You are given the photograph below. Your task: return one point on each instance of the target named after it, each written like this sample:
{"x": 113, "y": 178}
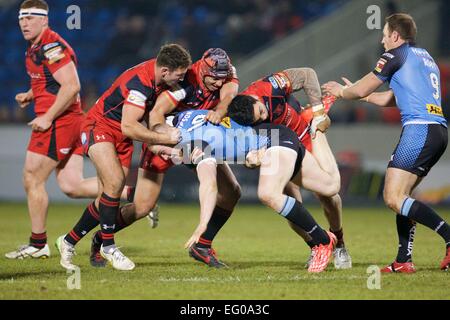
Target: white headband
{"x": 32, "y": 12}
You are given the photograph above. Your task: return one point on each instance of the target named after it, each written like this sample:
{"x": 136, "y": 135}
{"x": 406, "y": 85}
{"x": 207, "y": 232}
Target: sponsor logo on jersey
{"x": 434, "y": 109}
{"x": 83, "y": 138}
{"x": 273, "y": 82}
{"x": 281, "y": 81}
{"x": 380, "y": 65}
{"x": 54, "y": 54}
{"x": 50, "y": 45}
{"x": 226, "y": 122}
{"x": 65, "y": 150}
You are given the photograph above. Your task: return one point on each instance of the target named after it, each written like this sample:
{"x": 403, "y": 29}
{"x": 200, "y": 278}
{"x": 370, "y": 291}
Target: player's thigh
{"x": 72, "y": 170}
{"x": 277, "y": 167}
{"x": 37, "y": 167}
{"x": 148, "y": 188}
{"x": 312, "y": 177}
{"x": 109, "y": 169}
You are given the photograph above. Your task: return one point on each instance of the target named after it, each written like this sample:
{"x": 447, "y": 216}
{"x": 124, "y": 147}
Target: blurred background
{"x": 261, "y": 37}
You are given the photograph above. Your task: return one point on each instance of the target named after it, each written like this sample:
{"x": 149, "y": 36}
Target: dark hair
{"x": 241, "y": 110}
{"x": 173, "y": 56}
{"x": 404, "y": 24}
{"x": 40, "y": 4}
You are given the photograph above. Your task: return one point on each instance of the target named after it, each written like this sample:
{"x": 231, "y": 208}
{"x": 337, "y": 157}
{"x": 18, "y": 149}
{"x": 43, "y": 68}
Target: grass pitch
{"x": 266, "y": 259}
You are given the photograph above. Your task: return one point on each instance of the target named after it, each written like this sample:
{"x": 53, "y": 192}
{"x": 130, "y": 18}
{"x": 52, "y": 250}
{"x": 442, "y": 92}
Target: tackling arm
{"x": 133, "y": 129}
{"x": 306, "y": 79}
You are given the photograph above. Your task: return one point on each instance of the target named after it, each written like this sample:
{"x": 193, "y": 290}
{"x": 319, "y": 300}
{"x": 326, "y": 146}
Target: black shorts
{"x": 282, "y": 137}
{"x": 419, "y": 148}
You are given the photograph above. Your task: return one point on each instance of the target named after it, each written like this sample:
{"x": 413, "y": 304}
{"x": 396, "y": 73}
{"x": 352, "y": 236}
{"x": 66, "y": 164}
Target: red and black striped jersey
{"x": 192, "y": 93}
{"x": 275, "y": 92}
{"x": 42, "y": 60}
{"x": 136, "y": 87}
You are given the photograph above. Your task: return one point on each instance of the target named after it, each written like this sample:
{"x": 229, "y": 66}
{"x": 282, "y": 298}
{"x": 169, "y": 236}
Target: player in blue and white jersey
{"x": 282, "y": 159}
{"x": 414, "y": 83}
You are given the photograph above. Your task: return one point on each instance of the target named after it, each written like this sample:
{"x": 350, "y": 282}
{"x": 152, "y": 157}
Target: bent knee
{"x": 235, "y": 192}
{"x": 392, "y": 200}
{"x": 143, "y": 209}
{"x": 268, "y": 198}
{"x": 70, "y": 189}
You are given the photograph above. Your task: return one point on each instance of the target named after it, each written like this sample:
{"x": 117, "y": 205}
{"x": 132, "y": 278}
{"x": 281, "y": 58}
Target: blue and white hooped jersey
{"x": 229, "y": 141}
{"x": 415, "y": 79}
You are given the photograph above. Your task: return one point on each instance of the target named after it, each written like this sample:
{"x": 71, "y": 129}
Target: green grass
{"x": 265, "y": 256}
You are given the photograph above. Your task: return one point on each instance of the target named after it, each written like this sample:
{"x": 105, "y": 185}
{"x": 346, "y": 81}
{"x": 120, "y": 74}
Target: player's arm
{"x": 133, "y": 128}
{"x": 306, "y": 79}
{"x": 166, "y": 102}
{"x": 386, "y": 67}
{"x": 228, "y": 91}
{"x": 360, "y": 89}
{"x": 67, "y": 77}
{"x": 207, "y": 176}
{"x": 382, "y": 99}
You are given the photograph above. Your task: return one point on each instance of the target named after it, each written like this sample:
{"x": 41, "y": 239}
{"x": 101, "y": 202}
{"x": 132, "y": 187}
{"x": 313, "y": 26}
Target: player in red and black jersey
{"x": 210, "y": 83}
{"x": 54, "y": 144}
{"x": 107, "y": 136}
{"x": 271, "y": 99}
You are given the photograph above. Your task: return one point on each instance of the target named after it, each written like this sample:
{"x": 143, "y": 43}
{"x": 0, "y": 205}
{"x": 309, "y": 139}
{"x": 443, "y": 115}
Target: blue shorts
{"x": 419, "y": 148}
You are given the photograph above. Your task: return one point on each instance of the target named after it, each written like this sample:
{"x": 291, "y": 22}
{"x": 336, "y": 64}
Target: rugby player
{"x": 107, "y": 136}
{"x": 54, "y": 143}
{"x": 282, "y": 158}
{"x": 414, "y": 82}
{"x": 271, "y": 99}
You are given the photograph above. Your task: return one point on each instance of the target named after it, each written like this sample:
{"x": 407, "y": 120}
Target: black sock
{"x": 310, "y": 243}
{"x": 38, "y": 240}
{"x": 218, "y": 219}
{"x": 88, "y": 221}
{"x": 108, "y": 212}
{"x": 120, "y": 224}
{"x": 295, "y": 212}
{"x": 423, "y": 214}
{"x": 406, "y": 229}
{"x": 340, "y": 237}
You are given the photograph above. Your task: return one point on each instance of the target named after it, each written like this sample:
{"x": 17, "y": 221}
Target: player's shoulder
{"x": 400, "y": 53}
{"x": 52, "y": 39}
{"x": 143, "y": 73}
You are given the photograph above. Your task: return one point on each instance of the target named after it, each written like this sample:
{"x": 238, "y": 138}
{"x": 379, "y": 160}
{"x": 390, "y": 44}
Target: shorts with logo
{"x": 153, "y": 163}
{"x": 61, "y": 140}
{"x": 94, "y": 131}
{"x": 419, "y": 148}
